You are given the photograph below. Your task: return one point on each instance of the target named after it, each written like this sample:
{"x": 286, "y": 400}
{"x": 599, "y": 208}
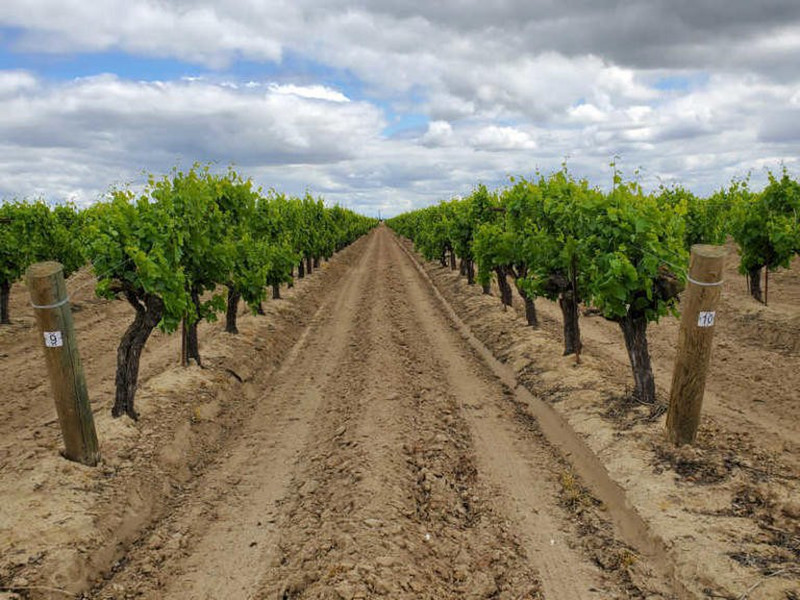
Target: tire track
{"x": 386, "y": 502}
{"x": 506, "y": 453}
{"x": 218, "y": 543}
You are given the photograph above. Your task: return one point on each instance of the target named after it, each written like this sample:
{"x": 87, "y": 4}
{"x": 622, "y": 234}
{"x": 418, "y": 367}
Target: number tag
{"x": 706, "y": 318}
{"x": 52, "y": 339}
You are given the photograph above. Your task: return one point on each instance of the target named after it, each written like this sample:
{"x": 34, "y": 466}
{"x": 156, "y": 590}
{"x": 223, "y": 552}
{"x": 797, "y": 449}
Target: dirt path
{"x": 725, "y": 510}
{"x": 63, "y": 525}
{"x": 384, "y": 459}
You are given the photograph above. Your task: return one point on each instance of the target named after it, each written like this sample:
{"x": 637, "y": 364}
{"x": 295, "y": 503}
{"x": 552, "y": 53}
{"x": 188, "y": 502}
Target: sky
{"x": 385, "y": 106}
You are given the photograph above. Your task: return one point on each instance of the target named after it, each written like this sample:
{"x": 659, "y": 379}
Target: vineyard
{"x": 167, "y": 252}
{"x": 468, "y": 403}
{"x": 623, "y": 254}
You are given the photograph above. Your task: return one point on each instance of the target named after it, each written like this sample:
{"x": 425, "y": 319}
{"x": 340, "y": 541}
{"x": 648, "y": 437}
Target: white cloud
{"x": 682, "y": 91}
{"x": 15, "y": 82}
{"x": 95, "y": 131}
{"x": 502, "y": 138}
{"x": 587, "y": 113}
{"x": 205, "y": 32}
{"x": 314, "y": 92}
{"x": 440, "y": 133}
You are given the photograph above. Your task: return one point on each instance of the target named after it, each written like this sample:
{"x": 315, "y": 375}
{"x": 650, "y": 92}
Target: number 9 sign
{"x": 53, "y": 339}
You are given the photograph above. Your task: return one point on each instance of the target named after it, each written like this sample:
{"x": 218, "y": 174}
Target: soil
{"x": 385, "y": 430}
{"x": 726, "y": 509}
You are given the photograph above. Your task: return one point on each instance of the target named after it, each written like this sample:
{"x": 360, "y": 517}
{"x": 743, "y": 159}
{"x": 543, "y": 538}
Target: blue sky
{"x": 384, "y": 106}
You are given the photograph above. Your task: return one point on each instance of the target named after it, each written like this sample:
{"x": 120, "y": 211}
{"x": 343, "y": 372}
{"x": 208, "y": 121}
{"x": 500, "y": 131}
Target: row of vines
{"x": 623, "y": 254}
{"x": 191, "y": 246}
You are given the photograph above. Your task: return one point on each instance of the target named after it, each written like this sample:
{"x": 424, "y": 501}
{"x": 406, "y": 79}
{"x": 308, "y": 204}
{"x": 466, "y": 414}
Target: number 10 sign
{"x": 706, "y": 318}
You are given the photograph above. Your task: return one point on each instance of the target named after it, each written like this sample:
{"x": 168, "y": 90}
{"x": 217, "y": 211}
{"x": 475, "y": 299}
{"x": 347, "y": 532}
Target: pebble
{"x": 386, "y": 561}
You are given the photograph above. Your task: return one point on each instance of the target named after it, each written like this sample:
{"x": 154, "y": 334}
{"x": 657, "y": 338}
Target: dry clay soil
{"x": 363, "y": 440}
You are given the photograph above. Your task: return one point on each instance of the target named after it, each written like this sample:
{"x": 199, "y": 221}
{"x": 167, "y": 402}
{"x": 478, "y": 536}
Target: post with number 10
{"x": 50, "y": 302}
{"x": 698, "y": 316}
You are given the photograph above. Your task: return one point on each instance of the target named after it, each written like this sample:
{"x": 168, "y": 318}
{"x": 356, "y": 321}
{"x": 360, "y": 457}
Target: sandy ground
{"x": 727, "y": 510}
{"x": 359, "y": 442}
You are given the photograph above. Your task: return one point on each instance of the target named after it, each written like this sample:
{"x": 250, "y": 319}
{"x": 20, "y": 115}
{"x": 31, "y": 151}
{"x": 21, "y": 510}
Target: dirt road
{"x": 384, "y": 459}
{"x": 386, "y": 430}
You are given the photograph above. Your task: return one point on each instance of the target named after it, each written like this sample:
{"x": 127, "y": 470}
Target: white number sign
{"x": 706, "y": 318}
{"x": 52, "y": 339}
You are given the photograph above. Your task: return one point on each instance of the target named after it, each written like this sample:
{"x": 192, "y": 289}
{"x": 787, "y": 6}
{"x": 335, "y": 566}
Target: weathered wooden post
{"x": 51, "y": 305}
{"x": 694, "y": 342}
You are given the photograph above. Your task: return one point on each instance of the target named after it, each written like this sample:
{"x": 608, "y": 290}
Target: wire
{"x": 101, "y": 275}
{"x": 681, "y": 270}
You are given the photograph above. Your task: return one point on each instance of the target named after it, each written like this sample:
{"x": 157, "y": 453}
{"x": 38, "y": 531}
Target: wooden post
{"x": 694, "y": 342}
{"x": 51, "y": 305}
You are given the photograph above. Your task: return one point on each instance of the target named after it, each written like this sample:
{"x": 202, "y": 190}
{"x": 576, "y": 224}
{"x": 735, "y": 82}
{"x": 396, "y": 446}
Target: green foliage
{"x": 34, "y": 232}
{"x": 550, "y": 221}
{"x": 249, "y": 255}
{"x": 17, "y": 247}
{"x": 189, "y": 233}
{"x": 494, "y": 246}
{"x": 433, "y": 235}
{"x": 206, "y": 254}
{"x": 706, "y": 219}
{"x": 625, "y": 250}
{"x": 136, "y": 248}
{"x": 274, "y": 222}
{"x": 466, "y": 216}
{"x": 766, "y": 225}
{"x": 636, "y": 259}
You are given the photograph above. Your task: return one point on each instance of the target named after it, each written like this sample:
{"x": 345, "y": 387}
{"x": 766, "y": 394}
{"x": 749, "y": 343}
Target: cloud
{"x": 14, "y": 82}
{"x": 586, "y": 113}
{"x": 300, "y": 93}
{"x": 502, "y": 138}
{"x": 314, "y": 92}
{"x": 736, "y": 34}
{"x": 205, "y": 33}
{"x": 129, "y": 126}
{"x": 440, "y": 133}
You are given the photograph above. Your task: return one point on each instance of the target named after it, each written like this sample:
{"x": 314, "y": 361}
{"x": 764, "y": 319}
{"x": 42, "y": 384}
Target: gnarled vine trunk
{"x": 309, "y": 265}
{"x": 316, "y": 262}
{"x": 530, "y": 307}
{"x": 276, "y": 291}
{"x": 634, "y": 329}
{"x": 149, "y": 310}
{"x": 191, "y": 348}
{"x": 5, "y": 294}
{"x": 487, "y": 287}
{"x": 502, "y": 283}
{"x": 754, "y": 275}
{"x": 519, "y": 272}
{"x": 230, "y": 313}
{"x": 572, "y": 331}
{"x": 452, "y": 259}
{"x": 301, "y": 269}
{"x": 470, "y": 271}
